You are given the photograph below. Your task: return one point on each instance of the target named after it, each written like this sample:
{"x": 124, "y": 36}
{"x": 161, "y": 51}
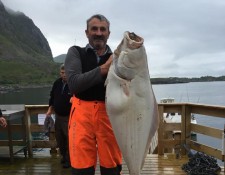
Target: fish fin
{"x": 126, "y": 88}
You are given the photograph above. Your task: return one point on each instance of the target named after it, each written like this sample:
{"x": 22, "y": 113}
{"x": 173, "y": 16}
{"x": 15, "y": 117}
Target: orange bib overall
{"x": 90, "y": 133}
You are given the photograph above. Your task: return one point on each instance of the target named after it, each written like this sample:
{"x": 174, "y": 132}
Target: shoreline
{"x": 17, "y": 87}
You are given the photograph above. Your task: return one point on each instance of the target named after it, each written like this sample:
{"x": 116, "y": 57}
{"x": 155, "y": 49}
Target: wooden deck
{"x": 45, "y": 164}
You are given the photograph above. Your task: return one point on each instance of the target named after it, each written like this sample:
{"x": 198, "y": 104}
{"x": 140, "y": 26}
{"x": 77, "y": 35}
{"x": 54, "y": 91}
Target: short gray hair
{"x": 100, "y": 17}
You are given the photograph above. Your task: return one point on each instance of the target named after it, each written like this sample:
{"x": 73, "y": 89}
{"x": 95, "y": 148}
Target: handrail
{"x": 33, "y": 111}
{"x": 186, "y": 127}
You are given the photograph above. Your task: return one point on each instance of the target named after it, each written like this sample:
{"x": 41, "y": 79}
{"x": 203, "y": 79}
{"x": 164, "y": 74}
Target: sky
{"x": 181, "y": 38}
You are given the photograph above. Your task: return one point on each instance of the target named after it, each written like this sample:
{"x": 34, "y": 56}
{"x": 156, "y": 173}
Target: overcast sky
{"x": 182, "y": 38}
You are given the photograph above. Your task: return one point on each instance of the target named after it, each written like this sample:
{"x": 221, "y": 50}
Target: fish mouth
{"x": 134, "y": 41}
{"x": 134, "y": 37}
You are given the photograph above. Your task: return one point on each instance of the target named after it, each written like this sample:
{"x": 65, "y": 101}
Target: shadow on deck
{"x": 44, "y": 163}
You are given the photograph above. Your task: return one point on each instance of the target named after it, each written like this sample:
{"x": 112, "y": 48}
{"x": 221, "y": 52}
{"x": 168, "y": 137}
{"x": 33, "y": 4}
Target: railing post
{"x": 52, "y": 137}
{"x": 160, "y": 131}
{"x": 223, "y": 142}
{"x": 29, "y": 136}
{"x": 186, "y": 126}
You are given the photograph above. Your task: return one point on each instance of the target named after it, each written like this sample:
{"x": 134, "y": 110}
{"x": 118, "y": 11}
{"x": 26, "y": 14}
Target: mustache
{"x": 97, "y": 37}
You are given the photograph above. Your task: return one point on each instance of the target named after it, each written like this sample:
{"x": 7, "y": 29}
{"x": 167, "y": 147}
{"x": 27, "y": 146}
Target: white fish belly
{"x": 131, "y": 105}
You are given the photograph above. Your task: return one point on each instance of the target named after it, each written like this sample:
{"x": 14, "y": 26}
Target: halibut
{"x": 130, "y": 102}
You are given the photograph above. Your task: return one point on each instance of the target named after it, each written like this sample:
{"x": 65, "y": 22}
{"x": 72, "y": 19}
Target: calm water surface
{"x": 201, "y": 92}
{"x": 28, "y": 96}
{"x": 212, "y": 93}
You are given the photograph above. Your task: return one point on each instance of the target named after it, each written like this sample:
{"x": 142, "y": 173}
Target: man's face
{"x": 97, "y": 33}
{"x": 63, "y": 75}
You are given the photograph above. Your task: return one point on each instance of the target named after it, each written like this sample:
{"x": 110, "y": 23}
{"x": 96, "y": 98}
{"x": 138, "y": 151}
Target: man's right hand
{"x": 105, "y": 67}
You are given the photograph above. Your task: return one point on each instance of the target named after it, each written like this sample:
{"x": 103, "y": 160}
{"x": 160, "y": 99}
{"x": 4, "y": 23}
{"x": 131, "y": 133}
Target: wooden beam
{"x": 206, "y": 149}
{"x": 206, "y": 130}
{"x": 44, "y": 144}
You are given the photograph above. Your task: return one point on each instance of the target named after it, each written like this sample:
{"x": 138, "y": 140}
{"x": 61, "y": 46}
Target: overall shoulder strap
{"x": 83, "y": 56}
{"x": 81, "y": 51}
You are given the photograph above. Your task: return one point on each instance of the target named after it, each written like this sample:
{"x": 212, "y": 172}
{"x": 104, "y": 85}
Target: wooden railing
{"x": 164, "y": 143}
{"x": 32, "y": 111}
{"x": 186, "y": 127}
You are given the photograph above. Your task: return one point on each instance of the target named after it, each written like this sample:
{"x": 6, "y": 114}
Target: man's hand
{"x": 49, "y": 112}
{"x": 3, "y": 122}
{"x": 105, "y": 67}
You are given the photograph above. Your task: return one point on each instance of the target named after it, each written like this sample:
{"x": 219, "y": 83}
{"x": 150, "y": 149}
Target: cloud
{"x": 182, "y": 38}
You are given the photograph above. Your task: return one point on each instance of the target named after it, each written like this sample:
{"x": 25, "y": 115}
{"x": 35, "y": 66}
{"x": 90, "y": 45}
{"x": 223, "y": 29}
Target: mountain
{"x": 25, "y": 54}
{"x": 60, "y": 58}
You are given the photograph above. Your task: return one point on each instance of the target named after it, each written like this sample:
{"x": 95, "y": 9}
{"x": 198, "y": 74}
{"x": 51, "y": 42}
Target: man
{"x": 59, "y": 103}
{"x": 3, "y": 122}
{"x": 90, "y": 131}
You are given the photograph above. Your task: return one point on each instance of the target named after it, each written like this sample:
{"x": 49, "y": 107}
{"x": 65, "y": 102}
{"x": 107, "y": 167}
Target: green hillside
{"x": 20, "y": 73}
{"x": 60, "y": 58}
{"x": 25, "y": 54}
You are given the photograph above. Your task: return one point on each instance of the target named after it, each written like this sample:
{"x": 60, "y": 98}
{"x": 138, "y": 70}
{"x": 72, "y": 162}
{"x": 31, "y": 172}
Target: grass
{"x": 17, "y": 72}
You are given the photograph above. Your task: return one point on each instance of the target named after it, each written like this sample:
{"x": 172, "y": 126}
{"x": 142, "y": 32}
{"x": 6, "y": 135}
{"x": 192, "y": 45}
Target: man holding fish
{"x": 110, "y": 98}
{"x": 90, "y": 132}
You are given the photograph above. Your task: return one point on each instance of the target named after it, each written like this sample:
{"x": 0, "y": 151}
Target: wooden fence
{"x": 186, "y": 127}
{"x": 164, "y": 143}
{"x": 32, "y": 111}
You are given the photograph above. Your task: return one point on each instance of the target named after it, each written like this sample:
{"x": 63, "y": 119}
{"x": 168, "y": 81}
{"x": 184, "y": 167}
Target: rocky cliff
{"x": 25, "y": 54}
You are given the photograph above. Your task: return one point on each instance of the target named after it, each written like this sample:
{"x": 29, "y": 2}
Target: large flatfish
{"x": 130, "y": 101}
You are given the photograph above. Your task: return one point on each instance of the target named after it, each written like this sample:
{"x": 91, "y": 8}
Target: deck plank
{"x": 46, "y": 164}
